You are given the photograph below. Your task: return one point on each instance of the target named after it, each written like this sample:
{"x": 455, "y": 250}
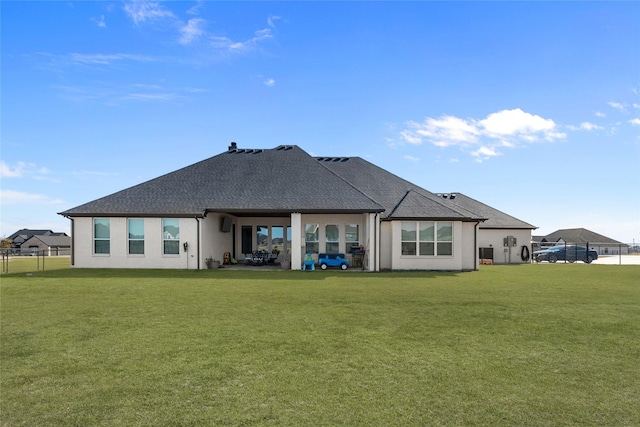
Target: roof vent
{"x": 233, "y": 146}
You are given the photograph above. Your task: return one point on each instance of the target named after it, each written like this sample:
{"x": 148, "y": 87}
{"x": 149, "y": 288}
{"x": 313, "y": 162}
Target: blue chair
{"x": 308, "y": 262}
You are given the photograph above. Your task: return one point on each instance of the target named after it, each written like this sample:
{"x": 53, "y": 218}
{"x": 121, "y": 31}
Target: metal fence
{"x": 38, "y": 256}
{"x": 598, "y": 252}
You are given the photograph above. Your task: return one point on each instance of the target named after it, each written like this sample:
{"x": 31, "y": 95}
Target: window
{"x": 277, "y": 238}
{"x": 171, "y": 236}
{"x": 427, "y": 238}
{"x": 352, "y": 237}
{"x": 408, "y": 238}
{"x": 136, "y": 236}
{"x": 332, "y": 238}
{"x": 101, "y": 236}
{"x": 427, "y": 241}
{"x": 262, "y": 238}
{"x": 445, "y": 238}
{"x": 312, "y": 244}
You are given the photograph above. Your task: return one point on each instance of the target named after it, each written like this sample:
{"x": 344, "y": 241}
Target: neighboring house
{"x": 52, "y": 245}
{"x": 279, "y": 199}
{"x": 581, "y": 236}
{"x": 501, "y": 238}
{"x": 21, "y": 236}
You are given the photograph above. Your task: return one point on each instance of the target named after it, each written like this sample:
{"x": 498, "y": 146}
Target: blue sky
{"x": 530, "y": 107}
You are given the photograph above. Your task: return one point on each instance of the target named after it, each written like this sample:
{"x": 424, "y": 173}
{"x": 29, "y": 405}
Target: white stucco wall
{"x": 469, "y": 246}
{"x": 494, "y": 238}
{"x": 214, "y": 242}
{"x": 463, "y": 258}
{"x": 153, "y": 246}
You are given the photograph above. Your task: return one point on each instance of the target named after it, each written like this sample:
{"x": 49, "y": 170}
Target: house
{"x": 21, "y": 236}
{"x": 282, "y": 201}
{"x": 502, "y": 238}
{"x": 50, "y": 244}
{"x": 603, "y": 245}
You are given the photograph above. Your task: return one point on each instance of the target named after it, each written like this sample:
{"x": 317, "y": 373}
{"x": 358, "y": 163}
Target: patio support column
{"x": 372, "y": 242}
{"x": 296, "y": 241}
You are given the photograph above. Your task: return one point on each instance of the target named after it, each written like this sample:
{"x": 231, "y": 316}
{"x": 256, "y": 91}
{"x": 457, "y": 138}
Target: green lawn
{"x": 527, "y": 345}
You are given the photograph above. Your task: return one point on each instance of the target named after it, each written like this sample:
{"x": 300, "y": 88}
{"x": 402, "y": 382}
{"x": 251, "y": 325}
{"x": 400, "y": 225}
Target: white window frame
{"x": 101, "y": 239}
{"x": 437, "y": 242}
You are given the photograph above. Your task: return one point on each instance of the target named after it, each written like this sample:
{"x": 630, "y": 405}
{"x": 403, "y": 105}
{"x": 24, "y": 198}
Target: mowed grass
{"x": 528, "y": 345}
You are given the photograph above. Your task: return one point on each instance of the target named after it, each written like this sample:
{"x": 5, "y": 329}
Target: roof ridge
{"x": 320, "y": 161}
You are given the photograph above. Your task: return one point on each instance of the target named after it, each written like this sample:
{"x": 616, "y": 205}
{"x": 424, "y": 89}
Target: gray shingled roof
{"x": 579, "y": 235}
{"x": 495, "y": 219}
{"x": 270, "y": 181}
{"x": 399, "y": 197}
{"x": 54, "y": 241}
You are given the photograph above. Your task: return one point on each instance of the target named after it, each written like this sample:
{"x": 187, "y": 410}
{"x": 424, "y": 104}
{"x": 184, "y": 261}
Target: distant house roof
{"x": 580, "y": 236}
{"x": 60, "y": 240}
{"x": 26, "y": 233}
{"x": 495, "y": 219}
{"x": 274, "y": 181}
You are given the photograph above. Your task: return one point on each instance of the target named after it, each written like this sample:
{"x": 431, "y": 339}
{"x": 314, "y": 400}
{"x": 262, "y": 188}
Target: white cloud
{"x": 106, "y": 59}
{"x": 10, "y": 197}
{"x": 447, "y": 130}
{"x": 411, "y": 158}
{"x": 142, "y": 11}
{"x": 269, "y": 82}
{"x": 635, "y": 122}
{"x": 516, "y": 123}
{"x": 618, "y": 106}
{"x": 600, "y": 114}
{"x": 586, "y": 126}
{"x": 100, "y": 22}
{"x": 191, "y": 31}
{"x": 226, "y": 44}
{"x": 24, "y": 170}
{"x": 506, "y": 128}
{"x": 271, "y": 20}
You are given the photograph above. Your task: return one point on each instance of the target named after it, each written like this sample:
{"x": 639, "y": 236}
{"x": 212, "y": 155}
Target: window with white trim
{"x": 101, "y": 236}
{"x": 135, "y": 227}
{"x": 427, "y": 238}
{"x": 351, "y": 237}
{"x": 171, "y": 236}
{"x": 332, "y": 238}
{"x": 311, "y": 237}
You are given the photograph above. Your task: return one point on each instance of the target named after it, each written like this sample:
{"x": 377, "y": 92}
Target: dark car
{"x": 571, "y": 253}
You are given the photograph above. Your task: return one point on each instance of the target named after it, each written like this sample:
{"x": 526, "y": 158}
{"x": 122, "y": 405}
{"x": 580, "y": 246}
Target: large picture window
{"x": 171, "y": 236}
{"x": 311, "y": 236}
{"x": 427, "y": 238}
{"x": 332, "y": 238}
{"x": 101, "y": 236}
{"x": 136, "y": 236}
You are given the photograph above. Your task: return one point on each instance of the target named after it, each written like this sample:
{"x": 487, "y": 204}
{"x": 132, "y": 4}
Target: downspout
{"x": 198, "y": 241}
{"x": 377, "y": 244}
{"x": 73, "y": 242}
{"x": 475, "y": 247}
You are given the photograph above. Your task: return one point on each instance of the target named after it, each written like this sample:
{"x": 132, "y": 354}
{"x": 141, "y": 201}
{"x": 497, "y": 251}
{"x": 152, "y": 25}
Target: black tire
{"x": 343, "y": 266}
{"x": 553, "y": 258}
{"x": 589, "y": 259}
{"x": 323, "y": 266}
